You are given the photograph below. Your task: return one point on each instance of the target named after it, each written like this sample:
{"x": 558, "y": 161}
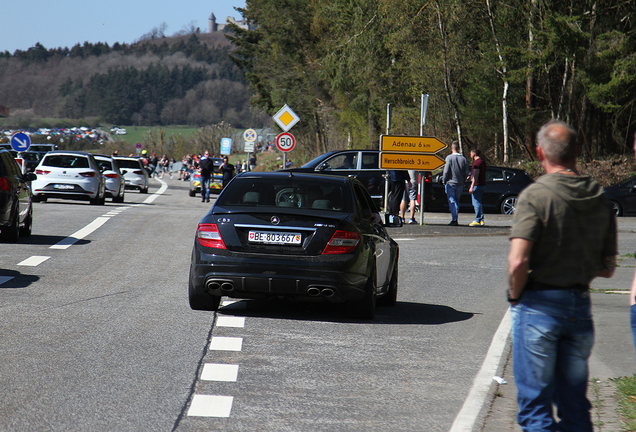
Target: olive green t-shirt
{"x": 572, "y": 225}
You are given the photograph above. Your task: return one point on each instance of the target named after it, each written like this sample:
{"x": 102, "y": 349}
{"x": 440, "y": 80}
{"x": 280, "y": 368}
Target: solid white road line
{"x": 220, "y": 372}
{"x": 4, "y": 279}
{"x": 219, "y": 343}
{"x": 230, "y": 321}
{"x": 156, "y": 195}
{"x": 75, "y": 237}
{"x": 211, "y": 406}
{"x": 33, "y": 261}
{"x": 467, "y": 416}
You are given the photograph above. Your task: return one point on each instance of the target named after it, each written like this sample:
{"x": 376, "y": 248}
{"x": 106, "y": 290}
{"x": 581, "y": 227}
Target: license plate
{"x": 63, "y": 187}
{"x": 269, "y": 237}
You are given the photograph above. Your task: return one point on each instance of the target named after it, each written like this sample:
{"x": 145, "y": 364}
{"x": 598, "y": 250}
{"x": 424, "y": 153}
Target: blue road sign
{"x": 20, "y": 142}
{"x": 226, "y": 146}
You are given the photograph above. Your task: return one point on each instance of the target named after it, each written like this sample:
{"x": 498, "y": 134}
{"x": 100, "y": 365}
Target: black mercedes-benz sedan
{"x": 304, "y": 236}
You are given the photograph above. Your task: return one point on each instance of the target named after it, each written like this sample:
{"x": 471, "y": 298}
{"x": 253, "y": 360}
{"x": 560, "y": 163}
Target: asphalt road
{"x": 100, "y": 337}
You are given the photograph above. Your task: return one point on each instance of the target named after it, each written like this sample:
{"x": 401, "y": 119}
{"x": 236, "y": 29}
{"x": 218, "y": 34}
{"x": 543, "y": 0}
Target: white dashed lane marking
{"x": 220, "y": 343}
{"x": 78, "y": 235}
{"x": 220, "y": 372}
{"x": 33, "y": 261}
{"x": 230, "y": 321}
{"x": 211, "y": 406}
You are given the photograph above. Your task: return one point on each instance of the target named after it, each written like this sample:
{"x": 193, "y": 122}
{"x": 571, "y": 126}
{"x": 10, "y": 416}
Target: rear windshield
{"x": 128, "y": 163}
{"x": 287, "y": 192}
{"x": 105, "y": 165}
{"x": 66, "y": 161}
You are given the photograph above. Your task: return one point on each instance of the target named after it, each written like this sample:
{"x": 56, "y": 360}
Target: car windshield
{"x": 66, "y": 161}
{"x": 305, "y": 193}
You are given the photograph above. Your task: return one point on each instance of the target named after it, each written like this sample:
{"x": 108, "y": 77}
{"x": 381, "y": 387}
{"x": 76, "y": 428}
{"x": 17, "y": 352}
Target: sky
{"x": 64, "y": 23}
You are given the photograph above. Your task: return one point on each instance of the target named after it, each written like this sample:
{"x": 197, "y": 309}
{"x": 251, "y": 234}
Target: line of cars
{"x": 63, "y": 175}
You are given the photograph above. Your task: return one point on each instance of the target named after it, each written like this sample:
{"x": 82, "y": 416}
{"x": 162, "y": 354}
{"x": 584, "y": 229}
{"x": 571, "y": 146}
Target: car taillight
{"x": 138, "y": 172}
{"x": 428, "y": 178}
{"x": 342, "y": 242}
{"x": 42, "y": 172}
{"x": 88, "y": 174}
{"x": 208, "y": 235}
{"x": 110, "y": 175}
{"x": 5, "y": 184}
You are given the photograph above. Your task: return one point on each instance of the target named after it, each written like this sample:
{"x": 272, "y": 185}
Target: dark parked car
{"x": 30, "y": 159}
{"x": 503, "y": 186}
{"x": 301, "y": 236}
{"x": 623, "y": 196}
{"x": 16, "y": 211}
{"x": 362, "y": 164}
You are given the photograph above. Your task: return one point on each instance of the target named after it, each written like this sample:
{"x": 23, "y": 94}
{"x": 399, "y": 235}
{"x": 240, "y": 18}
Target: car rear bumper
{"x": 333, "y": 279}
{"x": 135, "y": 183}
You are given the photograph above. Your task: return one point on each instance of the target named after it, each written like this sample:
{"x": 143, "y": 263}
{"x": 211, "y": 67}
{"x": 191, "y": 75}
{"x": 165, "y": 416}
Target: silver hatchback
{"x": 115, "y": 185}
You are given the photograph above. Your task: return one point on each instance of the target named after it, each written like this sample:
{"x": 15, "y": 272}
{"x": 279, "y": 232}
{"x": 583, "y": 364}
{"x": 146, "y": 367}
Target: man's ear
{"x": 540, "y": 154}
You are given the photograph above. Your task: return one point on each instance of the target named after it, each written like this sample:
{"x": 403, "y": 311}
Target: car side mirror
{"x": 30, "y": 176}
{"x": 393, "y": 221}
{"x": 323, "y": 166}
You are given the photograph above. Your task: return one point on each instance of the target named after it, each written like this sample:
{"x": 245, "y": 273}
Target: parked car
{"x": 362, "y": 164}
{"x": 623, "y": 196}
{"x": 135, "y": 175}
{"x": 30, "y": 159}
{"x": 69, "y": 175}
{"x": 503, "y": 186}
{"x": 114, "y": 179}
{"x": 16, "y": 211}
{"x": 302, "y": 236}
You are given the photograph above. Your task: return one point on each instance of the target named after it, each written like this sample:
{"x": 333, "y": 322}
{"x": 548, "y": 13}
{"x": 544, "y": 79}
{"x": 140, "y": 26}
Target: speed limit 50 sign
{"x": 285, "y": 141}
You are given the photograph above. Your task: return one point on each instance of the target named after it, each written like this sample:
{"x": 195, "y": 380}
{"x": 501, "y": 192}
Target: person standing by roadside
{"x": 410, "y": 198}
{"x": 253, "y": 162}
{"x": 632, "y": 294}
{"x": 455, "y": 173}
{"x": 563, "y": 236}
{"x": 477, "y": 186}
{"x": 397, "y": 179}
{"x": 206, "y": 166}
{"x": 228, "y": 171}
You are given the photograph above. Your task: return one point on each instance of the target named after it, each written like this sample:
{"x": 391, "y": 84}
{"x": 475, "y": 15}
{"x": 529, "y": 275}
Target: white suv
{"x": 68, "y": 175}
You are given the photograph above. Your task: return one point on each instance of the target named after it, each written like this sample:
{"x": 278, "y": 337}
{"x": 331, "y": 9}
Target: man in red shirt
{"x": 477, "y": 186}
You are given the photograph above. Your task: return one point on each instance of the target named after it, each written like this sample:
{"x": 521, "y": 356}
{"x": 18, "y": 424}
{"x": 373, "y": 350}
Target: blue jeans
{"x": 632, "y": 313}
{"x": 553, "y": 335}
{"x": 205, "y": 188}
{"x": 478, "y": 192}
{"x": 453, "y": 193}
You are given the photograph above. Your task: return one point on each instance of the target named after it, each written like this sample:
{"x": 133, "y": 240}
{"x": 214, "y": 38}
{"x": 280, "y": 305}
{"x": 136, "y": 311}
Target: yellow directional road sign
{"x": 415, "y": 144}
{"x": 408, "y": 161}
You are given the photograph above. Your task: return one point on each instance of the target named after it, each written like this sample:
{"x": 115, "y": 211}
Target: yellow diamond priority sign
{"x": 286, "y": 118}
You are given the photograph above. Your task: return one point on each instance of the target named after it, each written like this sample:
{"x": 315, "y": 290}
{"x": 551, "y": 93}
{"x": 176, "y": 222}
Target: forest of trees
{"x": 187, "y": 80}
{"x": 495, "y": 70}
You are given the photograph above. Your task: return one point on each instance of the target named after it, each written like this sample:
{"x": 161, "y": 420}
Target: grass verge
{"x": 626, "y": 395}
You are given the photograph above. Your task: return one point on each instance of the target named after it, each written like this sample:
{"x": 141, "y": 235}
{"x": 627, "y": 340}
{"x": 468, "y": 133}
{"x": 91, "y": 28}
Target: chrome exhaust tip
{"x": 227, "y": 286}
{"x": 327, "y": 292}
{"x": 313, "y": 291}
{"x": 212, "y": 285}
